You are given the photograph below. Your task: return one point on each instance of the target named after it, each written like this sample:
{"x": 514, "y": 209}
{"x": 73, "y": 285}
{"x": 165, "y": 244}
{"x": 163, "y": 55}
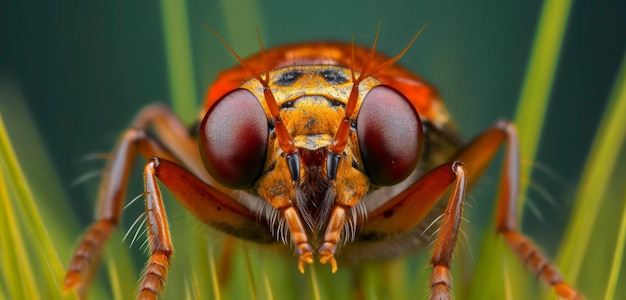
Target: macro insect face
{"x": 302, "y": 182}
{"x": 330, "y": 148}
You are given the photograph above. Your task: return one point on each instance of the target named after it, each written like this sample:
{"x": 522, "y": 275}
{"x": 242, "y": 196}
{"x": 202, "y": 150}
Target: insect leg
{"x": 206, "y": 203}
{"x": 111, "y": 199}
{"x": 401, "y": 214}
{"x": 440, "y": 280}
{"x": 179, "y": 147}
{"x": 477, "y": 156}
{"x": 331, "y": 237}
{"x": 407, "y": 210}
{"x": 298, "y": 237}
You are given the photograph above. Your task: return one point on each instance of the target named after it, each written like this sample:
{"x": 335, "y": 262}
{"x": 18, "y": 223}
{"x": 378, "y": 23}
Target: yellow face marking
{"x": 312, "y": 103}
{"x": 310, "y": 82}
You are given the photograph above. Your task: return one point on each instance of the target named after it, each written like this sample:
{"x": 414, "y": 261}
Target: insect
{"x": 320, "y": 146}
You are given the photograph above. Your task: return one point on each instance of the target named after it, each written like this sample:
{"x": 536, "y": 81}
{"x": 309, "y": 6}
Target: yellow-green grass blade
{"x": 489, "y": 280}
{"x": 3, "y": 293}
{"x": 595, "y": 181}
{"x": 315, "y": 286}
{"x": 240, "y": 24}
{"x": 184, "y": 101}
{"x": 45, "y": 221}
{"x": 179, "y": 59}
{"x": 214, "y": 282}
{"x": 17, "y": 267}
{"x": 115, "y": 277}
{"x": 121, "y": 269}
{"x": 33, "y": 214}
{"x": 267, "y": 281}
{"x": 249, "y": 277}
{"x": 617, "y": 256}
{"x": 535, "y": 93}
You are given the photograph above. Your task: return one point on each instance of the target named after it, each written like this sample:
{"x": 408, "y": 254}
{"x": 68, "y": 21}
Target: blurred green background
{"x": 84, "y": 69}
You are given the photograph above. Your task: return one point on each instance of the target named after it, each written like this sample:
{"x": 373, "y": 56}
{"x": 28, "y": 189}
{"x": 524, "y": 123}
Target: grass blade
{"x": 240, "y": 23}
{"x": 40, "y": 266}
{"x": 535, "y": 95}
{"x": 17, "y": 267}
{"x": 532, "y": 106}
{"x": 595, "y": 179}
{"x": 179, "y": 59}
{"x": 617, "y": 257}
{"x": 314, "y": 284}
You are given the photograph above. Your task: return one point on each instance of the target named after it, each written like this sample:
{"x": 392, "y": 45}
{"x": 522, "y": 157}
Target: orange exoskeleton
{"x": 319, "y": 146}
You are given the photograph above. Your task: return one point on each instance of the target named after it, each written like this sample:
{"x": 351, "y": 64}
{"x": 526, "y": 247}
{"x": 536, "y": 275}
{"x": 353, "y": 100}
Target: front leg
{"x": 477, "y": 156}
{"x": 405, "y": 212}
{"x": 111, "y": 200}
{"x": 155, "y": 272}
{"x": 173, "y": 143}
{"x": 331, "y": 237}
{"x": 298, "y": 237}
{"x": 206, "y": 203}
{"x": 134, "y": 142}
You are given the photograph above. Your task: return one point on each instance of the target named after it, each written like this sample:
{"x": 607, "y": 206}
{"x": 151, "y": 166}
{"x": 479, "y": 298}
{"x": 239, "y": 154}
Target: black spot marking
{"x": 288, "y": 78}
{"x": 389, "y": 213}
{"x": 219, "y": 208}
{"x": 288, "y": 104}
{"x": 336, "y": 103}
{"x": 333, "y": 77}
{"x": 271, "y": 167}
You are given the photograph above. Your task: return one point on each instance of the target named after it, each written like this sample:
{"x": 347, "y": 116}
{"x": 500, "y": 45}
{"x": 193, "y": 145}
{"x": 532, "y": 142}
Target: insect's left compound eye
{"x": 233, "y": 140}
{"x": 390, "y": 136}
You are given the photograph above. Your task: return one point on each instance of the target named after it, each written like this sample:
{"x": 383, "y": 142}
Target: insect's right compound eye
{"x": 390, "y": 136}
{"x": 233, "y": 140}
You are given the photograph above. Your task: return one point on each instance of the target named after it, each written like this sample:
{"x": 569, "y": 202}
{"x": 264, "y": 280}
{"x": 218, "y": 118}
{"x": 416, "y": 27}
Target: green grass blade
{"x": 121, "y": 269}
{"x": 40, "y": 259}
{"x": 16, "y": 264}
{"x": 214, "y": 282}
{"x": 184, "y": 101}
{"x": 617, "y": 257}
{"x": 179, "y": 59}
{"x": 595, "y": 179}
{"x": 315, "y": 286}
{"x": 249, "y": 277}
{"x": 240, "y": 24}
{"x": 535, "y": 95}
{"x": 267, "y": 285}
{"x": 3, "y": 293}
{"x": 115, "y": 278}
{"x": 493, "y": 258}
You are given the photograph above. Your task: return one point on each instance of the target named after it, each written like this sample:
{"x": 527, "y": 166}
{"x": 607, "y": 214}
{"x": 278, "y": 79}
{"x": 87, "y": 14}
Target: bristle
{"x": 301, "y": 204}
{"x": 140, "y": 217}
{"x": 370, "y": 54}
{"x": 367, "y": 73}
{"x": 324, "y": 209}
{"x": 241, "y": 60}
{"x": 267, "y": 71}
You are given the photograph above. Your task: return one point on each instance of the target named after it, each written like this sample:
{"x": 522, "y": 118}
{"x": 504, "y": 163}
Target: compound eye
{"x": 390, "y": 136}
{"x": 233, "y": 140}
